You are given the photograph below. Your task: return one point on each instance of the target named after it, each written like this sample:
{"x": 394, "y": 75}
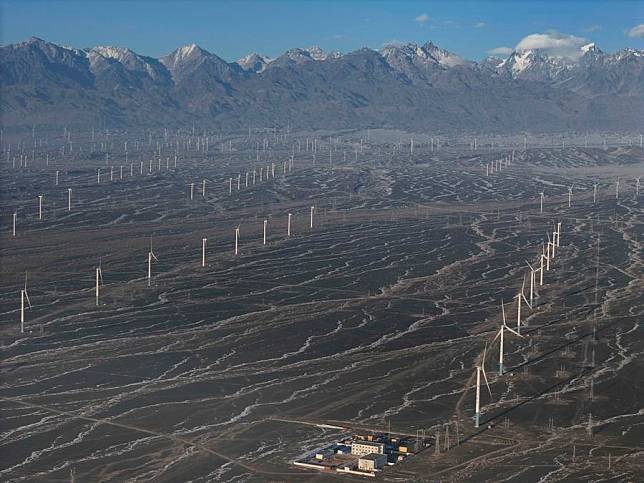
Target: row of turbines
{"x": 265, "y": 173}
{"x": 25, "y": 302}
{"x": 547, "y": 254}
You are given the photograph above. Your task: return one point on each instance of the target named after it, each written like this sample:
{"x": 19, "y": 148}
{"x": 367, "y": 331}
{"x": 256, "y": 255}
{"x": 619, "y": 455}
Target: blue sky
{"x": 232, "y": 29}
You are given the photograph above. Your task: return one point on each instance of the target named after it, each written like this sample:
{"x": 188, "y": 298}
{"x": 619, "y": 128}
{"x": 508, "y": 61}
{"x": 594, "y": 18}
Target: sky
{"x": 232, "y": 29}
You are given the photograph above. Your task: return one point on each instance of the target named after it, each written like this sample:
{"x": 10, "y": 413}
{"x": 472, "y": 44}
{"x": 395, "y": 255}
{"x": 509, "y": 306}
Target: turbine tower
{"x": 24, "y": 296}
{"x": 151, "y": 256}
{"x": 480, "y": 369}
{"x": 99, "y": 281}
{"x": 520, "y": 297}
{"x": 500, "y": 336}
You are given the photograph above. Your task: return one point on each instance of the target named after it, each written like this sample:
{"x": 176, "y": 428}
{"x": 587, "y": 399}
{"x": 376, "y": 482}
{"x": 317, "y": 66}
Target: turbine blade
{"x": 526, "y": 301}
{"x": 498, "y": 334}
{"x": 503, "y": 310}
{"x": 27, "y": 297}
{"x": 486, "y": 383}
{"x": 513, "y": 331}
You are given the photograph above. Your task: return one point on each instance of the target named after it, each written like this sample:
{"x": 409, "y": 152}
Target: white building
{"x": 362, "y": 448}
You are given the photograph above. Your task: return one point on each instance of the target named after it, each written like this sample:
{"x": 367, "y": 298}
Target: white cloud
{"x": 480, "y": 25}
{"x": 593, "y": 28}
{"x": 554, "y": 43}
{"x": 422, "y": 18}
{"x": 501, "y": 51}
{"x": 637, "y": 31}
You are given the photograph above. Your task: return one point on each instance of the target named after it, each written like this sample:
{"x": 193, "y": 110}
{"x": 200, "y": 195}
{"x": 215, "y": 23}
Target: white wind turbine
{"x": 594, "y": 193}
{"x": 480, "y": 369}
{"x": 24, "y": 296}
{"x": 520, "y": 297}
{"x": 203, "y": 251}
{"x": 547, "y": 256}
{"x": 533, "y": 274}
{"x": 151, "y": 256}
{"x": 617, "y": 188}
{"x": 500, "y": 336}
{"x": 99, "y": 280}
{"x": 569, "y": 196}
{"x": 541, "y": 258}
{"x": 265, "y": 226}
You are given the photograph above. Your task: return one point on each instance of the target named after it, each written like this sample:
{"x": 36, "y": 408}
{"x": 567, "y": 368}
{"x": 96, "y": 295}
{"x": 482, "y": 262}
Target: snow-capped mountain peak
{"x": 317, "y": 53}
{"x": 120, "y": 54}
{"x": 254, "y": 62}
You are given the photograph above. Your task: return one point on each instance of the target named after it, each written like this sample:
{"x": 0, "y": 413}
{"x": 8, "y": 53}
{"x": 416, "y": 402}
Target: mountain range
{"x": 408, "y": 86}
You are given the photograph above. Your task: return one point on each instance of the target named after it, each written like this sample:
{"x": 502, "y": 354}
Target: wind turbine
{"x": 99, "y": 280}
{"x": 500, "y": 336}
{"x": 237, "y": 240}
{"x": 520, "y": 296}
{"x": 288, "y": 226}
{"x": 203, "y": 252}
{"x": 541, "y": 206}
{"x": 480, "y": 369}
{"x": 594, "y": 193}
{"x": 151, "y": 255}
{"x": 532, "y": 280}
{"x": 547, "y": 257}
{"x": 24, "y": 296}
{"x": 312, "y": 210}
{"x": 617, "y": 189}
{"x": 265, "y": 225}
{"x": 569, "y": 196}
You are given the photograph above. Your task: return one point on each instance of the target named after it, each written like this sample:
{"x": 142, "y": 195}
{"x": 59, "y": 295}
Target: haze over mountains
{"x": 409, "y": 86}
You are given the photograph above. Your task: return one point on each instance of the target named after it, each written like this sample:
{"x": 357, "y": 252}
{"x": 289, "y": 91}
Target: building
{"x": 324, "y": 454}
{"x": 372, "y": 462}
{"x": 362, "y": 448}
